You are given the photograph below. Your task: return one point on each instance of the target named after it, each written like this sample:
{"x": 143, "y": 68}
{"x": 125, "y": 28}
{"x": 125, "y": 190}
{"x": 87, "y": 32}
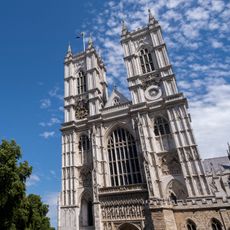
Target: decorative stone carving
{"x": 85, "y": 177}
{"x": 122, "y": 212}
{"x": 150, "y": 80}
{"x": 95, "y": 185}
{"x": 81, "y": 108}
{"x": 170, "y": 165}
{"x": 213, "y": 186}
{"x": 148, "y": 177}
{"x": 153, "y": 92}
{"x": 178, "y": 189}
{"x": 79, "y": 65}
{"x": 143, "y": 41}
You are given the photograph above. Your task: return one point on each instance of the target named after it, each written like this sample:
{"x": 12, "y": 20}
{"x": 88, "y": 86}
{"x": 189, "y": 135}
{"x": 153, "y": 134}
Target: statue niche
{"x": 177, "y": 190}
{"x": 170, "y": 165}
{"x": 86, "y": 177}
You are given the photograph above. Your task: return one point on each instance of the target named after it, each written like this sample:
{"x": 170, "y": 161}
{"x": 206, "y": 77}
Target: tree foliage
{"x": 17, "y": 210}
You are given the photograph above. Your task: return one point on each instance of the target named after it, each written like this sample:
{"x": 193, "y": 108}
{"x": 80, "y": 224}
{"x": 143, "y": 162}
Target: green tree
{"x": 18, "y": 211}
{"x": 32, "y": 214}
{"x": 12, "y": 181}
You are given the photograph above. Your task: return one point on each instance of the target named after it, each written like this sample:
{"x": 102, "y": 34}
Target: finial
{"x": 90, "y": 41}
{"x": 151, "y": 18}
{"x": 124, "y": 29}
{"x": 228, "y": 151}
{"x": 114, "y": 86}
{"x": 69, "y": 51}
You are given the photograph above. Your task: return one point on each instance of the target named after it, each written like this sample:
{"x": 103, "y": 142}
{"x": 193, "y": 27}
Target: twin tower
{"x": 128, "y": 164}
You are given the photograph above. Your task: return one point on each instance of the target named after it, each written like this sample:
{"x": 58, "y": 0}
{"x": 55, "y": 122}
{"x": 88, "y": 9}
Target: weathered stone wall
{"x": 168, "y": 215}
{"x": 202, "y": 218}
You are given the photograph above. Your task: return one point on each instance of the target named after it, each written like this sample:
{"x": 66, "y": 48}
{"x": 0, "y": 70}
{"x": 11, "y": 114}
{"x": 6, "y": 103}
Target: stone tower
{"x": 127, "y": 164}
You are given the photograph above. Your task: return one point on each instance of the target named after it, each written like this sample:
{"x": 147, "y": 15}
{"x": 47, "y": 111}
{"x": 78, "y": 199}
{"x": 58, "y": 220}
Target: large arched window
{"x": 191, "y": 225}
{"x": 123, "y": 160}
{"x": 146, "y": 61}
{"x": 81, "y": 83}
{"x": 84, "y": 148}
{"x": 216, "y": 225}
{"x": 161, "y": 126}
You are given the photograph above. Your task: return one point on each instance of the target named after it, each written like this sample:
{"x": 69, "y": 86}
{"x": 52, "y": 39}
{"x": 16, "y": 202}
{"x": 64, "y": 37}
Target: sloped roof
{"x": 116, "y": 95}
{"x": 216, "y": 164}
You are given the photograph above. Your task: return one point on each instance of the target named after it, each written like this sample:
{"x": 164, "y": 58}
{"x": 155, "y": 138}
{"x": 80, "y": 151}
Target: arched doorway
{"x": 128, "y": 226}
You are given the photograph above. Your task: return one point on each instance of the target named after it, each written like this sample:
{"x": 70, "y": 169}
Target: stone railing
{"x": 116, "y": 107}
{"x": 123, "y": 189}
{"x": 173, "y": 97}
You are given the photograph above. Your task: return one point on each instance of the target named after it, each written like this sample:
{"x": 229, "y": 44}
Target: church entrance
{"x": 127, "y": 226}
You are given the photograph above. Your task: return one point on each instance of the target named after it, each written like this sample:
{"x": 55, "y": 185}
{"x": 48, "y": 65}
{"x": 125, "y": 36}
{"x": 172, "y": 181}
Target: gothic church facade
{"x": 132, "y": 165}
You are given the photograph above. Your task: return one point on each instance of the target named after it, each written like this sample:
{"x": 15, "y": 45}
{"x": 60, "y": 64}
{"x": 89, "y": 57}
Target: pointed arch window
{"x": 146, "y": 61}
{"x": 116, "y": 101}
{"x": 216, "y": 225}
{"x": 161, "y": 126}
{"x": 191, "y": 225}
{"x": 81, "y": 82}
{"x": 123, "y": 159}
{"x": 84, "y": 148}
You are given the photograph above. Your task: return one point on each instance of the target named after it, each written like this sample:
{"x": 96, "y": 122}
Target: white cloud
{"x": 216, "y": 44}
{"x": 52, "y": 122}
{"x": 33, "y": 180}
{"x": 198, "y": 13}
{"x": 47, "y": 134}
{"x": 217, "y": 5}
{"x": 51, "y": 199}
{"x": 174, "y": 3}
{"x": 55, "y": 92}
{"x": 210, "y": 114}
{"x": 45, "y": 103}
{"x": 52, "y": 172}
{"x": 195, "y": 32}
{"x": 60, "y": 108}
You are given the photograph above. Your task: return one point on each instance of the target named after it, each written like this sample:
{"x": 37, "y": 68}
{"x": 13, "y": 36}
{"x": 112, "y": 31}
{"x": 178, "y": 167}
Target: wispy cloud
{"x": 55, "y": 92}
{"x": 197, "y": 33}
{"x": 47, "y": 134}
{"x": 52, "y": 122}
{"x": 33, "y": 180}
{"x": 51, "y": 199}
{"x": 52, "y": 172}
{"x": 54, "y": 98}
{"x": 45, "y": 103}
{"x": 61, "y": 108}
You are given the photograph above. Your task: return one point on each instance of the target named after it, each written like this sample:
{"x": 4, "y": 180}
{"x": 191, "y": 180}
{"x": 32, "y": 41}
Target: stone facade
{"x": 132, "y": 164}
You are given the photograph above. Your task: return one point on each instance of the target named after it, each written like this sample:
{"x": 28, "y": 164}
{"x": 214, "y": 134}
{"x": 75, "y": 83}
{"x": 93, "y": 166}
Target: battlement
{"x": 196, "y": 203}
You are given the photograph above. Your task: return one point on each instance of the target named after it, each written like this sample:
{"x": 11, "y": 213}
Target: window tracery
{"x": 216, "y": 225}
{"x": 81, "y": 82}
{"x": 84, "y": 148}
{"x": 123, "y": 160}
{"x": 191, "y": 225}
{"x": 146, "y": 61}
{"x": 161, "y": 126}
{"x": 116, "y": 101}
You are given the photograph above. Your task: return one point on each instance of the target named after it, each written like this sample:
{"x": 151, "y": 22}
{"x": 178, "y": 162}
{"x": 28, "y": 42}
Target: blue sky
{"x": 33, "y": 42}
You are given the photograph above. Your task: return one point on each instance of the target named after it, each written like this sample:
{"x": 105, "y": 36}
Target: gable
{"x": 116, "y": 98}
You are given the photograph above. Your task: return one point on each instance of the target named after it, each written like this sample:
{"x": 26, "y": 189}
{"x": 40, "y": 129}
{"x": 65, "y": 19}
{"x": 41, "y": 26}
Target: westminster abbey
{"x": 134, "y": 164}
